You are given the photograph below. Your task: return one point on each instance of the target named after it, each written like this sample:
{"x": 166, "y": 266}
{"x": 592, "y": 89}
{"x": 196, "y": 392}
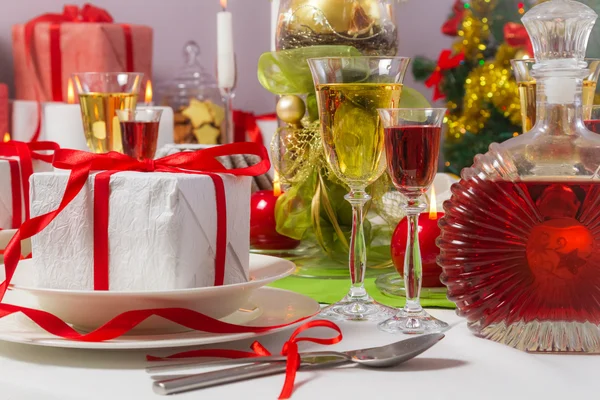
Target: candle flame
{"x": 433, "y": 205}
{"x": 6, "y": 137}
{"x": 70, "y": 92}
{"x": 148, "y": 96}
{"x": 223, "y": 4}
{"x": 276, "y": 185}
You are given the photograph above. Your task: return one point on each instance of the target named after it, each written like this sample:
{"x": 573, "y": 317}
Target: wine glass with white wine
{"x": 349, "y": 92}
{"x": 101, "y": 94}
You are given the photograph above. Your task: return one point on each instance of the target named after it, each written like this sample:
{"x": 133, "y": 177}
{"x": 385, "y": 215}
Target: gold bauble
{"x": 522, "y": 54}
{"x": 322, "y": 15}
{"x": 291, "y": 109}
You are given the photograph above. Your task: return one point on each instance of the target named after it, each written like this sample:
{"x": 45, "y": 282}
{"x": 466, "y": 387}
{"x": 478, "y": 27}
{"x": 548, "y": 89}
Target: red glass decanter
{"x": 520, "y": 241}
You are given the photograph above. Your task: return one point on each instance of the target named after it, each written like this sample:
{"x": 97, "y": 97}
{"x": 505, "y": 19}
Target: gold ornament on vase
{"x": 367, "y": 25}
{"x": 291, "y": 109}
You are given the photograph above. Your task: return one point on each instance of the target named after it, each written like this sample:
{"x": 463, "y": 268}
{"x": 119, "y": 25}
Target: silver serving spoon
{"x": 376, "y": 357}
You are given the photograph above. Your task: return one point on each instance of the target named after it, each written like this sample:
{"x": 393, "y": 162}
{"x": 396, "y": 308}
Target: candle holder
{"x": 227, "y": 94}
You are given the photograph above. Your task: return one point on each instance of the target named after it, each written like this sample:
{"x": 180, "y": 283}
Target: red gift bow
{"x": 445, "y": 62}
{"x": 450, "y": 27}
{"x": 246, "y": 123}
{"x": 515, "y": 35}
{"x": 26, "y": 152}
{"x": 71, "y": 13}
{"x": 290, "y": 349}
{"x": 81, "y": 164}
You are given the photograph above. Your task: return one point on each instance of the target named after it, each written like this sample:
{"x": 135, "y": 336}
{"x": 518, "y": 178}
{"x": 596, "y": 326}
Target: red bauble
{"x": 428, "y": 233}
{"x": 263, "y": 231}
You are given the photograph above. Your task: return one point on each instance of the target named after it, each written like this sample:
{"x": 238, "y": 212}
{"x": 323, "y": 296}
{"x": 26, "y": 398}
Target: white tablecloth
{"x": 459, "y": 367}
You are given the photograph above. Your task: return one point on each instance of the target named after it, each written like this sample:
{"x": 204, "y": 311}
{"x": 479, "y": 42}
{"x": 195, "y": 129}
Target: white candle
{"x": 62, "y": 124}
{"x": 274, "y": 23}
{"x": 24, "y": 118}
{"x": 225, "y": 53}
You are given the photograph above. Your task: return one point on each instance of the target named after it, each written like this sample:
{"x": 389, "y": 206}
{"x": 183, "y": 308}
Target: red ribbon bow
{"x": 445, "y": 62}
{"x": 516, "y": 35}
{"x": 26, "y": 152}
{"x": 81, "y": 164}
{"x": 290, "y": 349}
{"x": 450, "y": 27}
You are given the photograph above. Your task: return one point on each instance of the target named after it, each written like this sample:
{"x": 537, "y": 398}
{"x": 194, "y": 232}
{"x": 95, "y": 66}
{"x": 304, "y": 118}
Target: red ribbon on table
{"x": 290, "y": 349}
{"x": 446, "y": 61}
{"x": 81, "y": 164}
{"x": 246, "y": 123}
{"x": 73, "y": 14}
{"x": 515, "y": 35}
{"x": 26, "y": 152}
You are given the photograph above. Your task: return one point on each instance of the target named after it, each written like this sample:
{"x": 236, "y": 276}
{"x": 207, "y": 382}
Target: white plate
{"x": 267, "y": 307}
{"x": 88, "y": 310}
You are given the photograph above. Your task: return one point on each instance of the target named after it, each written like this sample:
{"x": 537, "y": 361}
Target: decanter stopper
{"x": 559, "y": 31}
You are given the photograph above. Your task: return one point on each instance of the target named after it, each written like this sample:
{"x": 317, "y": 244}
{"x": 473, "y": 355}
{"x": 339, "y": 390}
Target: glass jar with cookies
{"x": 196, "y": 101}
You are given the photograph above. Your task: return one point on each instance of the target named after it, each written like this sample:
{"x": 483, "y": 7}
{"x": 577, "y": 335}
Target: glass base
{"x": 392, "y": 284}
{"x": 413, "y": 323}
{"x": 358, "y": 310}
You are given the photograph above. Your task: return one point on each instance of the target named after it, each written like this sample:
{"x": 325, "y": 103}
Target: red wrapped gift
{"x": 49, "y": 48}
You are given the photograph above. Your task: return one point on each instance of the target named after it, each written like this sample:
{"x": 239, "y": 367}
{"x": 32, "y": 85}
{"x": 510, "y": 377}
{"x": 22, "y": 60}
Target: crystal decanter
{"x": 520, "y": 241}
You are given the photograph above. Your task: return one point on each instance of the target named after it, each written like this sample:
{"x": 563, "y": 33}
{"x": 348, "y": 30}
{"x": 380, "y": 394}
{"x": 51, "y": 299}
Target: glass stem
{"x": 227, "y": 95}
{"x": 358, "y": 247}
{"x": 413, "y": 268}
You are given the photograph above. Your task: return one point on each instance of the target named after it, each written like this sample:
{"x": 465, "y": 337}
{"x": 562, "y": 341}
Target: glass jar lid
{"x": 192, "y": 78}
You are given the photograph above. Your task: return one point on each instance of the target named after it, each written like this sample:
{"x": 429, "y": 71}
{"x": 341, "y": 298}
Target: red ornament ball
{"x": 428, "y": 233}
{"x": 263, "y": 227}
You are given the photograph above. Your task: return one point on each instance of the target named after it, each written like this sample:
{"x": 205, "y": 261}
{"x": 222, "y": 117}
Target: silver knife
{"x": 184, "y": 383}
{"x": 199, "y": 362}
{"x": 376, "y": 357}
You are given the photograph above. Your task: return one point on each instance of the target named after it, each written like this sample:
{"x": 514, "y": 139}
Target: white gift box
{"x": 162, "y": 232}
{"x": 6, "y": 203}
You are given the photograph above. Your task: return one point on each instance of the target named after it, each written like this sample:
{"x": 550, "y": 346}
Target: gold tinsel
{"x": 491, "y": 84}
{"x": 475, "y": 30}
{"x": 488, "y": 86}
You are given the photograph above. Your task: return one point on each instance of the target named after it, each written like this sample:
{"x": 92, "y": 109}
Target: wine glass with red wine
{"x": 139, "y": 132}
{"x": 412, "y": 144}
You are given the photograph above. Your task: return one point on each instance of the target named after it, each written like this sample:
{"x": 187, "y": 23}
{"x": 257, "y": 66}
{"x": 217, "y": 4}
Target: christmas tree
{"x": 475, "y": 76}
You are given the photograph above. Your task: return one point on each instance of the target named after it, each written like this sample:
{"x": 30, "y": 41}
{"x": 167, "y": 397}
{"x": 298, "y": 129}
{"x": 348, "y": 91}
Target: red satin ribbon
{"x": 246, "y": 123}
{"x": 81, "y": 164}
{"x": 446, "y": 61}
{"x": 71, "y": 13}
{"x": 26, "y": 152}
{"x": 290, "y": 349}
{"x": 515, "y": 35}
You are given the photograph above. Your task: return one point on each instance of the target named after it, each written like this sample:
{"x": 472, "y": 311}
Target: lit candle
{"x": 62, "y": 124}
{"x": 6, "y": 137}
{"x": 263, "y": 224}
{"x": 70, "y": 92}
{"x": 24, "y": 119}
{"x": 428, "y": 234}
{"x": 276, "y": 185}
{"x": 148, "y": 94}
{"x": 225, "y": 54}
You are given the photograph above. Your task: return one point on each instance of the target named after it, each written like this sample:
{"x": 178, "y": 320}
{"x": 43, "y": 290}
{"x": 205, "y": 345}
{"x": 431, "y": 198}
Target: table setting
{"x": 189, "y": 249}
